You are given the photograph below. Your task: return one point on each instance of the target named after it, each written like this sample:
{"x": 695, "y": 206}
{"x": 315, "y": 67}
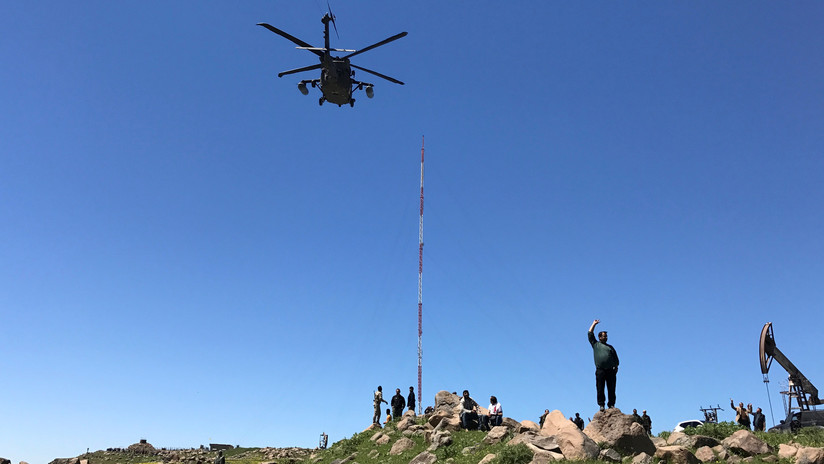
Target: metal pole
{"x": 420, "y": 291}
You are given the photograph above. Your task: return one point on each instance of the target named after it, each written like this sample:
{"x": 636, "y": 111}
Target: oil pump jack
{"x": 800, "y": 390}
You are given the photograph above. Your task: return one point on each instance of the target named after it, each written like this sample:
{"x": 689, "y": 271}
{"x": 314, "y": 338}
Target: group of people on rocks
{"x": 742, "y": 416}
{"x": 606, "y": 371}
{"x": 397, "y": 405}
{"x": 471, "y": 419}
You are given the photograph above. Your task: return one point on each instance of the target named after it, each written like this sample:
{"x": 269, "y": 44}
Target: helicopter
{"x": 336, "y": 81}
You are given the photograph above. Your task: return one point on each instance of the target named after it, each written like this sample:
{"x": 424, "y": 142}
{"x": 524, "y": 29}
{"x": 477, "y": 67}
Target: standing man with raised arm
{"x": 606, "y": 365}
{"x": 376, "y": 418}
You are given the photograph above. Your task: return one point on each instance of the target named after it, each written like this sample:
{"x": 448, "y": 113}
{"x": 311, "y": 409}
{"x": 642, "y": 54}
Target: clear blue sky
{"x": 193, "y": 252}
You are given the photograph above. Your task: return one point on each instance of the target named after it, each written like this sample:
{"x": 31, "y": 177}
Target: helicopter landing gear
{"x": 320, "y": 102}
{"x": 352, "y": 102}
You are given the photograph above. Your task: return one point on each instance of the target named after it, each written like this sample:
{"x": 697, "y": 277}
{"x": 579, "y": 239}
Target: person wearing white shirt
{"x": 495, "y": 416}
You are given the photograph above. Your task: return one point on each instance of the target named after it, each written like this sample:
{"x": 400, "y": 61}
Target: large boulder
{"x": 416, "y": 430}
{"x": 511, "y": 424}
{"x": 721, "y": 452}
{"x": 745, "y": 443}
{"x": 705, "y": 454}
{"x": 809, "y": 455}
{"x": 448, "y": 423}
{"x": 619, "y": 431}
{"x": 675, "y": 454}
{"x": 438, "y": 439}
{"x": 536, "y": 442}
{"x": 424, "y": 458}
{"x": 786, "y": 451}
{"x": 544, "y": 449}
{"x": 643, "y": 458}
{"x": 436, "y": 418}
{"x": 406, "y": 422}
{"x": 401, "y": 445}
{"x": 675, "y": 437}
{"x": 545, "y": 457}
{"x": 372, "y": 427}
{"x": 573, "y": 443}
{"x": 691, "y": 441}
{"x": 447, "y": 402}
{"x": 697, "y": 441}
{"x": 496, "y": 435}
{"x": 658, "y": 441}
{"x": 609, "y": 455}
{"x": 527, "y": 425}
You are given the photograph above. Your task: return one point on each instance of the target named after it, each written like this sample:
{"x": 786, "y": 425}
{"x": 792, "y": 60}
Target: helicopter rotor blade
{"x": 382, "y": 42}
{"x": 292, "y": 38}
{"x": 333, "y": 19}
{"x": 293, "y": 71}
{"x": 390, "y": 79}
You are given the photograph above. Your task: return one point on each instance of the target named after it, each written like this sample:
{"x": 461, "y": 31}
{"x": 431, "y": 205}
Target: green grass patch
{"x": 467, "y": 448}
{"x": 718, "y": 431}
{"x": 517, "y": 454}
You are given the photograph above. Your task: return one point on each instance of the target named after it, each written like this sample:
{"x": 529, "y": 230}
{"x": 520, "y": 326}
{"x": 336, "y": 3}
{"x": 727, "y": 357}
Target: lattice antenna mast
{"x": 420, "y": 292}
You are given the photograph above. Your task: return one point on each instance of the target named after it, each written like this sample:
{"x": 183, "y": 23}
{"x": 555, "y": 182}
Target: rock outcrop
{"x": 809, "y": 455}
{"x": 619, "y": 431}
{"x": 401, "y": 445}
{"x": 574, "y": 444}
{"x": 745, "y": 443}
{"x": 675, "y": 454}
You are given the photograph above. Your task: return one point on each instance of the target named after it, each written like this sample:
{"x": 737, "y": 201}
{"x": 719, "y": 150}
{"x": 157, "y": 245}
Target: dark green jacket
{"x": 605, "y": 355}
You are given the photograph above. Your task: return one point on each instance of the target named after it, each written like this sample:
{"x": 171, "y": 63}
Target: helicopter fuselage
{"x": 336, "y": 80}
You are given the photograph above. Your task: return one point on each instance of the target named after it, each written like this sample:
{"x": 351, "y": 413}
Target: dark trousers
{"x": 397, "y": 413}
{"x": 469, "y": 420}
{"x": 605, "y": 377}
{"x": 487, "y": 422}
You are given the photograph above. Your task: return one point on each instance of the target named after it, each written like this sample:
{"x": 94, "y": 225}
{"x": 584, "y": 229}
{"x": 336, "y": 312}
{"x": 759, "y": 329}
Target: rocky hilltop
{"x": 610, "y": 437}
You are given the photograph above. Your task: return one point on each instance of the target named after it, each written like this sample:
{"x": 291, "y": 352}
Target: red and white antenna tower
{"x": 420, "y": 291}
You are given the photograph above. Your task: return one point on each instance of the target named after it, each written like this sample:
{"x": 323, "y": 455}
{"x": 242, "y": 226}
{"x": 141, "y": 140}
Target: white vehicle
{"x": 687, "y": 424}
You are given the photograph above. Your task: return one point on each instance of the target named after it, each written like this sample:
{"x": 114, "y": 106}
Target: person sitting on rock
{"x": 388, "y": 417}
{"x": 469, "y": 412}
{"x": 495, "y": 416}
